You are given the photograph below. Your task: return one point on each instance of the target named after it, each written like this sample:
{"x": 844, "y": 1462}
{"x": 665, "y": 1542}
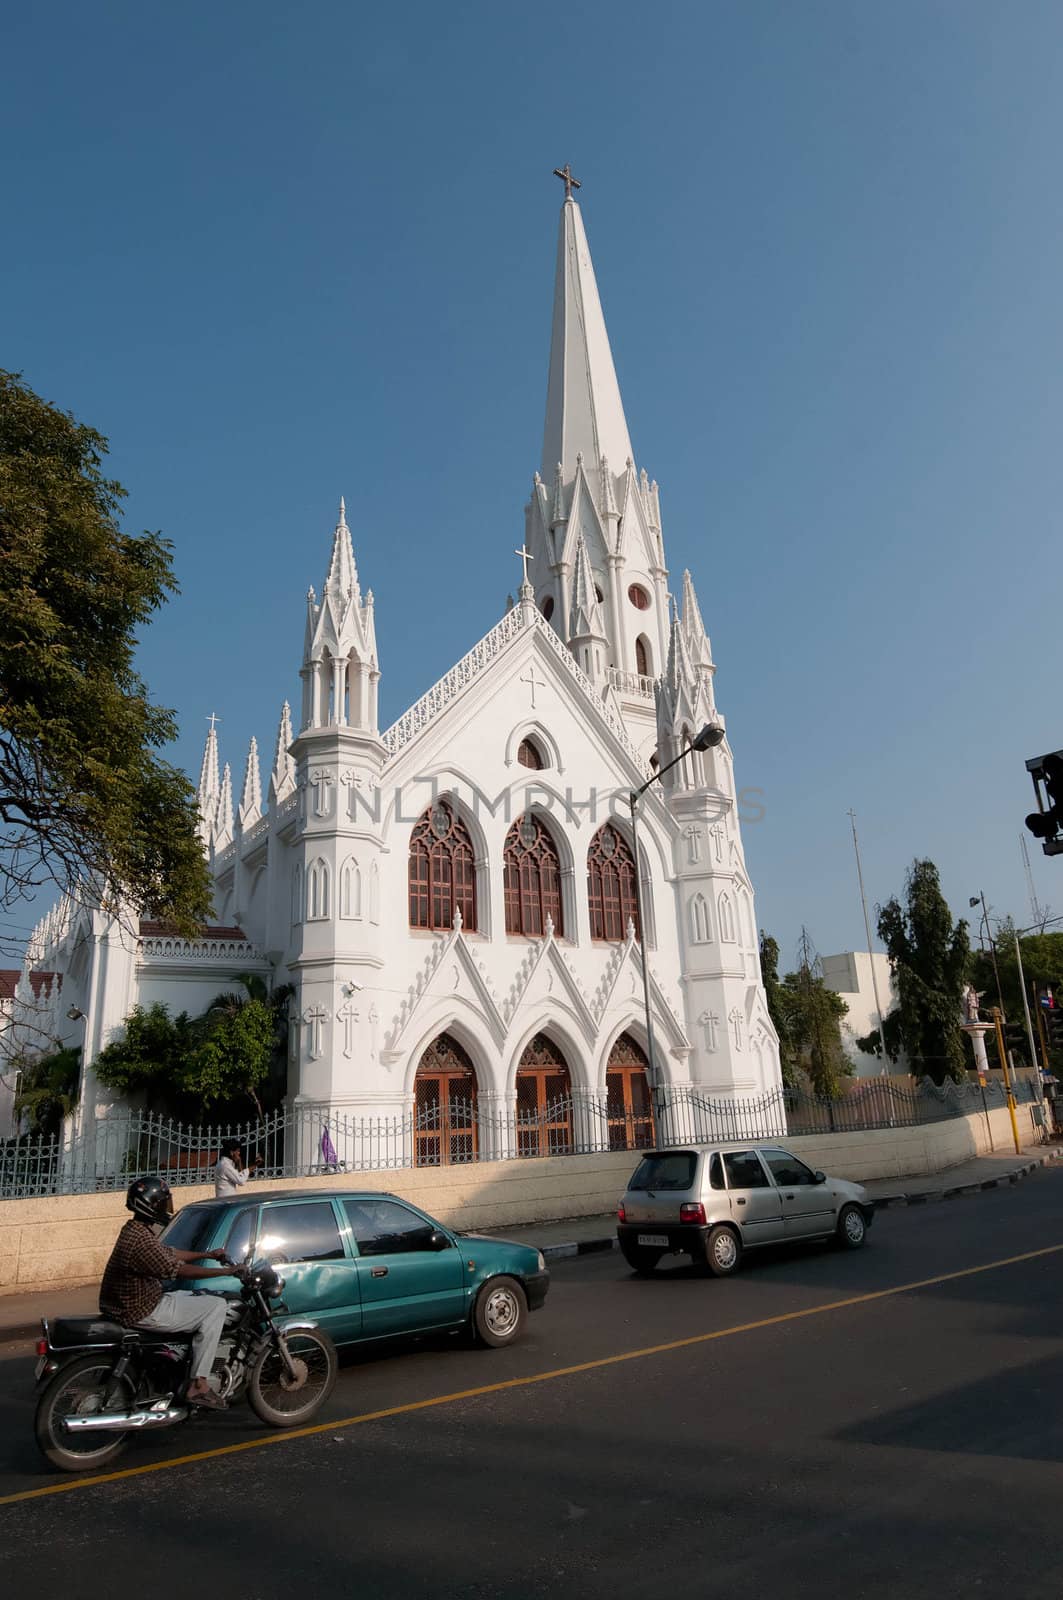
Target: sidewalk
{"x": 20, "y": 1314}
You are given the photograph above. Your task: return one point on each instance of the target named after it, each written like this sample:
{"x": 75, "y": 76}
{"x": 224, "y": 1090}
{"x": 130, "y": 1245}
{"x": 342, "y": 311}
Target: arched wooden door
{"x": 544, "y": 1100}
{"x": 444, "y": 1106}
{"x": 629, "y": 1104}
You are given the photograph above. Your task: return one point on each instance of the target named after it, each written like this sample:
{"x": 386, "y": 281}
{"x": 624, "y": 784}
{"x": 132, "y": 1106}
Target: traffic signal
{"x": 1046, "y": 823}
{"x": 1054, "y": 1027}
{"x": 1016, "y": 1043}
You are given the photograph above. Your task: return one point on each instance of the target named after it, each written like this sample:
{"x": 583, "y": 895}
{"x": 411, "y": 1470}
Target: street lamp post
{"x": 711, "y": 734}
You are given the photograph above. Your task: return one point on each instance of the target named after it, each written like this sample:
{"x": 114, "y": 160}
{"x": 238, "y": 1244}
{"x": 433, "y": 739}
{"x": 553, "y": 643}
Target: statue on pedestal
{"x": 971, "y": 997}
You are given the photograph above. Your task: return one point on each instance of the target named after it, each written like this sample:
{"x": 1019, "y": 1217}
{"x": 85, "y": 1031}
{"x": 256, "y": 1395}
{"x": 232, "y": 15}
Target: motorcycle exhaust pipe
{"x": 124, "y": 1421}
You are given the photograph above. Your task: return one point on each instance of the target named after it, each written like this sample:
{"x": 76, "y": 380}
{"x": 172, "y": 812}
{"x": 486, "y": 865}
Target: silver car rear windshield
{"x": 673, "y": 1171}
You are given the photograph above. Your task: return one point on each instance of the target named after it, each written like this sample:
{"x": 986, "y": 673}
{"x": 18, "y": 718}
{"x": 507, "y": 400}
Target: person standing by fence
{"x": 230, "y": 1173}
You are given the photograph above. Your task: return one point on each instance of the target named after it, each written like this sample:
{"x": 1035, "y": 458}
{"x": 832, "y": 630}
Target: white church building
{"x": 454, "y": 897}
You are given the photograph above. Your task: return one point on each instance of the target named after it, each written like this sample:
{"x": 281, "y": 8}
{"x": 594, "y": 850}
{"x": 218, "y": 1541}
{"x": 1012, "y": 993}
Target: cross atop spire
{"x": 565, "y": 174}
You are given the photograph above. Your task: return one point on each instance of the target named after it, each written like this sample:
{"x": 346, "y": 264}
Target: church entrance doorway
{"x": 629, "y": 1105}
{"x": 544, "y": 1100}
{"x": 445, "y": 1132}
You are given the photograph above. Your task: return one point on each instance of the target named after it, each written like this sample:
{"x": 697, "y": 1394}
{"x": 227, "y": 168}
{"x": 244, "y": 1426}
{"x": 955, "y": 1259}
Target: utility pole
{"x": 870, "y": 957}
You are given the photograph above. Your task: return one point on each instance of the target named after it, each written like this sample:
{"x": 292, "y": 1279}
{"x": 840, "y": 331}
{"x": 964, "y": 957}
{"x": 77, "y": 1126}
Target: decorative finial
{"x": 549, "y": 928}
{"x": 457, "y": 919}
{"x": 631, "y": 934}
{"x": 343, "y": 511}
{"x": 570, "y": 183}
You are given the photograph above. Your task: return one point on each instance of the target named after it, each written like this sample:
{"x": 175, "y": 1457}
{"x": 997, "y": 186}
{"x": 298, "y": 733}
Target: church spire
{"x": 584, "y": 412}
{"x": 223, "y": 817}
{"x": 282, "y": 778}
{"x": 251, "y": 798}
{"x": 207, "y": 790}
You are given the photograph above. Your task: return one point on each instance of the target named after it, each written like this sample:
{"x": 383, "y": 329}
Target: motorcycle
{"x": 100, "y": 1382}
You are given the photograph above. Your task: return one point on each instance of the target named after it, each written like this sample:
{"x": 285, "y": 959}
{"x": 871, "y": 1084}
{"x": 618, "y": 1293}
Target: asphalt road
{"x": 823, "y": 1431}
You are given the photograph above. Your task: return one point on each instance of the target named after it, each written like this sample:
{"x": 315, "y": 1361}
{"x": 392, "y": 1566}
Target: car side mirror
{"x": 438, "y": 1241}
{"x": 819, "y": 1177}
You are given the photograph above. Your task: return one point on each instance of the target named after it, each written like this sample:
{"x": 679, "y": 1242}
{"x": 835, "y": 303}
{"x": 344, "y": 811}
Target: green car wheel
{"x": 500, "y": 1312}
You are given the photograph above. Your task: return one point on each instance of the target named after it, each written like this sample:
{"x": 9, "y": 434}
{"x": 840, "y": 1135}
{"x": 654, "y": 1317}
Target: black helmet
{"x": 150, "y": 1200}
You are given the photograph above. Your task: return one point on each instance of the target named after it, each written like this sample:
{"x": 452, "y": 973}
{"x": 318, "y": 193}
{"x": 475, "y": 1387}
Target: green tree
{"x": 150, "y": 1058}
{"x": 777, "y": 1008}
{"x": 47, "y": 1092}
{"x": 236, "y": 1051}
{"x": 1042, "y": 963}
{"x": 929, "y": 956}
{"x": 83, "y": 796}
{"x": 813, "y": 1018}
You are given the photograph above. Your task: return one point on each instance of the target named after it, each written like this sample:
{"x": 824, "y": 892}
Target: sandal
{"x": 207, "y": 1401}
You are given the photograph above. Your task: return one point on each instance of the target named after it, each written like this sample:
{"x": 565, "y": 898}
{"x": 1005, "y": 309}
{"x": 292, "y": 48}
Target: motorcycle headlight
{"x": 277, "y": 1290}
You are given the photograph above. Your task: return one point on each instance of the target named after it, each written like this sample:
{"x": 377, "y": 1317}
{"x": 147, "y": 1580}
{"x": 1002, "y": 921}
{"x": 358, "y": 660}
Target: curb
{"x": 921, "y": 1197}
{"x": 579, "y": 1247}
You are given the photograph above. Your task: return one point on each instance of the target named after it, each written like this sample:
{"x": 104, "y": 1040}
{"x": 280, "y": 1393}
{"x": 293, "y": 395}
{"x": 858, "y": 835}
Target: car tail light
{"x": 621, "y": 1214}
{"x": 42, "y": 1347}
{"x": 689, "y": 1212}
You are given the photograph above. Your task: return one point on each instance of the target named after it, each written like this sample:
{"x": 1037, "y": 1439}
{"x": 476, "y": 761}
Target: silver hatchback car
{"x": 713, "y": 1204}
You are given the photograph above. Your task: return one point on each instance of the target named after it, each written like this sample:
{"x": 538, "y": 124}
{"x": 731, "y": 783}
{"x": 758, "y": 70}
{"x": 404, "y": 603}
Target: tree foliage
{"x": 807, "y": 1017}
{"x": 929, "y": 957}
{"x": 1042, "y": 965}
{"x": 236, "y": 1051}
{"x": 48, "y": 1090}
{"x": 777, "y": 1008}
{"x": 83, "y": 796}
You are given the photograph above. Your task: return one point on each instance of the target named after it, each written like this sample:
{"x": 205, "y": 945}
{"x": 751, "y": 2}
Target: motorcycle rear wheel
{"x": 78, "y": 1389}
{"x": 272, "y": 1394}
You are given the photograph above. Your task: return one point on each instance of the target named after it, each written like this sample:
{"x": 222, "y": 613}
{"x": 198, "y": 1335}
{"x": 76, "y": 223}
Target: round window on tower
{"x": 638, "y": 597}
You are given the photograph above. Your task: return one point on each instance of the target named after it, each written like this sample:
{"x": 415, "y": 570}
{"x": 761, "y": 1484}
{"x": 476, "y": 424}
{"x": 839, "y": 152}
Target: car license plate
{"x": 654, "y": 1238}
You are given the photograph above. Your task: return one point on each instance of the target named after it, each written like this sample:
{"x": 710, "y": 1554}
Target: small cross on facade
{"x": 565, "y": 174}
{"x": 533, "y": 682}
{"x": 525, "y": 556}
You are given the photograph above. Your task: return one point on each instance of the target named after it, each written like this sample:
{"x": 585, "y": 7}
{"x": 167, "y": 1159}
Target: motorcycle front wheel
{"x": 285, "y": 1401}
{"x": 78, "y": 1390}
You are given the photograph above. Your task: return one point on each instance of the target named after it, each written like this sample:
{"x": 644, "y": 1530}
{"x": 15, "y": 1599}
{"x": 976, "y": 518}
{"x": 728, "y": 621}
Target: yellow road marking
{"x": 284, "y": 1436}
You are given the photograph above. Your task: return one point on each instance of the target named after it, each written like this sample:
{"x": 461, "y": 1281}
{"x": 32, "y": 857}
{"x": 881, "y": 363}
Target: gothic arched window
{"x": 699, "y": 920}
{"x": 444, "y": 1093}
{"x": 529, "y": 755}
{"x": 317, "y": 891}
{"x": 544, "y": 1100}
{"x": 442, "y": 870}
{"x": 531, "y": 878}
{"x": 629, "y": 1107}
{"x": 727, "y": 918}
{"x": 642, "y": 657}
{"x": 351, "y": 889}
{"x": 611, "y": 887}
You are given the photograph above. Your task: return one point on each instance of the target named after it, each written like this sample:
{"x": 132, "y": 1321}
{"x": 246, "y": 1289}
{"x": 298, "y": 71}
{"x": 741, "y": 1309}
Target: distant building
{"x": 850, "y": 975}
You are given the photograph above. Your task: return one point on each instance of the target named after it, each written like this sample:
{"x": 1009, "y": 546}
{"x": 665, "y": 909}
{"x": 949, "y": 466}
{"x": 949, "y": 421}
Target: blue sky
{"x": 281, "y": 253}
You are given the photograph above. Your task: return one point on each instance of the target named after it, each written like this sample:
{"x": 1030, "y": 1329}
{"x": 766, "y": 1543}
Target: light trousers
{"x": 182, "y": 1312}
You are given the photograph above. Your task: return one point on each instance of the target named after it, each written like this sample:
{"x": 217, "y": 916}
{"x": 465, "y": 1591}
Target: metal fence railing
{"x": 308, "y": 1141}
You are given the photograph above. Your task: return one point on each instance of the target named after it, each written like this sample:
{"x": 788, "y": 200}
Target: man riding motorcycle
{"x": 132, "y": 1291}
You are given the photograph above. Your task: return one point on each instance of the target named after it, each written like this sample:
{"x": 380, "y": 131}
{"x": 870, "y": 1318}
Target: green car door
{"x": 320, "y": 1276}
{"x": 407, "y": 1285}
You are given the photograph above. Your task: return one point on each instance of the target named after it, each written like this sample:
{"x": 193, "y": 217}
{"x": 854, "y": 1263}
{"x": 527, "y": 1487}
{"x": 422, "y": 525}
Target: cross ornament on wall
{"x": 533, "y": 682}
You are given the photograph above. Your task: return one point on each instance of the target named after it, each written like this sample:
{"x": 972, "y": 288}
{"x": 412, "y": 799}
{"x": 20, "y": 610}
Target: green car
{"x": 370, "y": 1265}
